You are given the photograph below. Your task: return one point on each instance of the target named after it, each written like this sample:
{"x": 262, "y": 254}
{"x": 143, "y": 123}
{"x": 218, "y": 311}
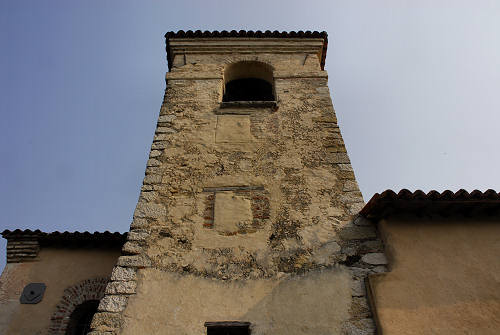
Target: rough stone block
{"x": 376, "y": 258}
{"x": 150, "y": 210}
{"x": 358, "y": 288}
{"x": 345, "y": 167}
{"x": 166, "y": 118}
{"x": 113, "y": 303}
{"x": 106, "y": 322}
{"x": 350, "y": 185}
{"x": 152, "y": 179}
{"x": 359, "y": 327}
{"x": 153, "y": 162}
{"x": 338, "y": 158}
{"x": 136, "y": 261}
{"x": 160, "y": 137}
{"x": 137, "y": 235}
{"x": 132, "y": 248}
{"x": 149, "y": 196}
{"x": 328, "y": 119}
{"x": 360, "y": 272}
{"x": 121, "y": 287}
{"x": 123, "y": 274}
{"x": 360, "y": 308}
{"x": 372, "y": 246}
{"x": 146, "y": 188}
{"x": 358, "y": 233}
{"x": 350, "y": 197}
{"x": 154, "y": 153}
{"x": 354, "y": 208}
{"x": 164, "y": 130}
{"x": 160, "y": 145}
{"x": 139, "y": 223}
{"x": 379, "y": 269}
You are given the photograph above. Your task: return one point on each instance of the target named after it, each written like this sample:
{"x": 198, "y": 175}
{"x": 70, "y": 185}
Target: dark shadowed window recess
{"x": 248, "y": 81}
{"x": 248, "y": 89}
{"x": 228, "y": 328}
{"x": 80, "y": 319}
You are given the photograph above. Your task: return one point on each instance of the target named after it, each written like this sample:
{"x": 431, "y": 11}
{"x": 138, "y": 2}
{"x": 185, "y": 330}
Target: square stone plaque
{"x": 233, "y": 129}
{"x": 230, "y": 212}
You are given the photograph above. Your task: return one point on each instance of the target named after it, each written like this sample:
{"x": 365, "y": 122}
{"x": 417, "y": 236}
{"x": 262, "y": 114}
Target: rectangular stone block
{"x": 166, "y": 118}
{"x": 233, "y": 129}
{"x": 338, "y": 158}
{"x": 152, "y": 179}
{"x": 135, "y": 261}
{"x": 132, "y": 248}
{"x": 106, "y": 322}
{"x": 121, "y": 287}
{"x": 113, "y": 303}
{"x": 150, "y": 210}
{"x": 231, "y": 212}
{"x": 123, "y": 274}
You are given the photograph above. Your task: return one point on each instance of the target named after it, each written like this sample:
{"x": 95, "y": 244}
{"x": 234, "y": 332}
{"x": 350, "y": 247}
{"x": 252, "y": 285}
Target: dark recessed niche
{"x": 228, "y": 328}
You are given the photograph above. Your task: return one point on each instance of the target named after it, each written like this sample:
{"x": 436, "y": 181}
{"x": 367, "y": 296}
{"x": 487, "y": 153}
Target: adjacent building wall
{"x": 444, "y": 277}
{"x": 58, "y": 268}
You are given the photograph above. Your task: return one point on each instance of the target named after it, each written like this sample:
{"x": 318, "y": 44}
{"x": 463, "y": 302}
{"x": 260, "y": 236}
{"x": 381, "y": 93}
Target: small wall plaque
{"x": 32, "y": 293}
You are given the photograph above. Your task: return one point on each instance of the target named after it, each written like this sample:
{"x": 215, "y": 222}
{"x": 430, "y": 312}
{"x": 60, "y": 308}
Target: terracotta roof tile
{"x": 62, "y": 237}
{"x": 407, "y": 201}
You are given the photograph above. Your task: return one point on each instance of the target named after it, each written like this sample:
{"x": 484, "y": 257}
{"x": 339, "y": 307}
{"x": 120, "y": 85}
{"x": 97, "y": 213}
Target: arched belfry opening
{"x": 248, "y": 81}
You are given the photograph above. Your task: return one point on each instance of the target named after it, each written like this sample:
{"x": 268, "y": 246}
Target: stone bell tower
{"x": 244, "y": 224}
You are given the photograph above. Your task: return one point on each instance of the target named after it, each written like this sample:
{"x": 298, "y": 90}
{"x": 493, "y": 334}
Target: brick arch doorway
{"x": 77, "y": 301}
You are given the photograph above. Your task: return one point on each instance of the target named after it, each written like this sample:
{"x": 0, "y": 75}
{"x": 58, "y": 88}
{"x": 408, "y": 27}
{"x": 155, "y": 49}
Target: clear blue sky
{"x": 415, "y": 86}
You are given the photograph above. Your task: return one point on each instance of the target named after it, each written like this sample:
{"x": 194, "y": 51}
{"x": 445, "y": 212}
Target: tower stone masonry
{"x": 247, "y": 213}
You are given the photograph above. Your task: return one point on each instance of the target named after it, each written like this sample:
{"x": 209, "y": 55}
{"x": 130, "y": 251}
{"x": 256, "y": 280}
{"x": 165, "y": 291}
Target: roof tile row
{"x": 56, "y": 235}
{"x": 246, "y": 33}
{"x": 389, "y": 197}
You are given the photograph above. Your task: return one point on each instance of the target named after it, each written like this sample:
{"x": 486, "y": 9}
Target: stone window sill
{"x": 248, "y": 104}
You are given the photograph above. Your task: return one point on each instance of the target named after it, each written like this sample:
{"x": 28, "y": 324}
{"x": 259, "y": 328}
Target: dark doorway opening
{"x": 228, "y": 328}
{"x": 80, "y": 319}
{"x": 248, "y": 89}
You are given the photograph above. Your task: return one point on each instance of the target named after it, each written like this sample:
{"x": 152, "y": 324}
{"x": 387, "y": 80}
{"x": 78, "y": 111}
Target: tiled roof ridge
{"x": 433, "y": 195}
{"x": 247, "y": 33}
{"x": 66, "y": 234}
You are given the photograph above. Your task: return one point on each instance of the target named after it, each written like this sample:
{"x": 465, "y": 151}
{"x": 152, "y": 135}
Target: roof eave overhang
{"x": 245, "y": 42}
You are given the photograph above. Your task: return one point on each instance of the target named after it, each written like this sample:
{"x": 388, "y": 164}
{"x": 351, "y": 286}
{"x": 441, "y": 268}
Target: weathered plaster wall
{"x": 168, "y": 303}
{"x": 58, "y": 268}
{"x": 243, "y": 195}
{"x": 444, "y": 277}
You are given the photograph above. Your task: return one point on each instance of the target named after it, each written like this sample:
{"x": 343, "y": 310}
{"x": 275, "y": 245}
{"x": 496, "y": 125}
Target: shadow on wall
{"x": 314, "y": 303}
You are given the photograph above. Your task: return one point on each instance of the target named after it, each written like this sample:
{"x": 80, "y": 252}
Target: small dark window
{"x": 80, "y": 319}
{"x": 248, "y": 89}
{"x": 228, "y": 328}
{"x": 248, "y": 81}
